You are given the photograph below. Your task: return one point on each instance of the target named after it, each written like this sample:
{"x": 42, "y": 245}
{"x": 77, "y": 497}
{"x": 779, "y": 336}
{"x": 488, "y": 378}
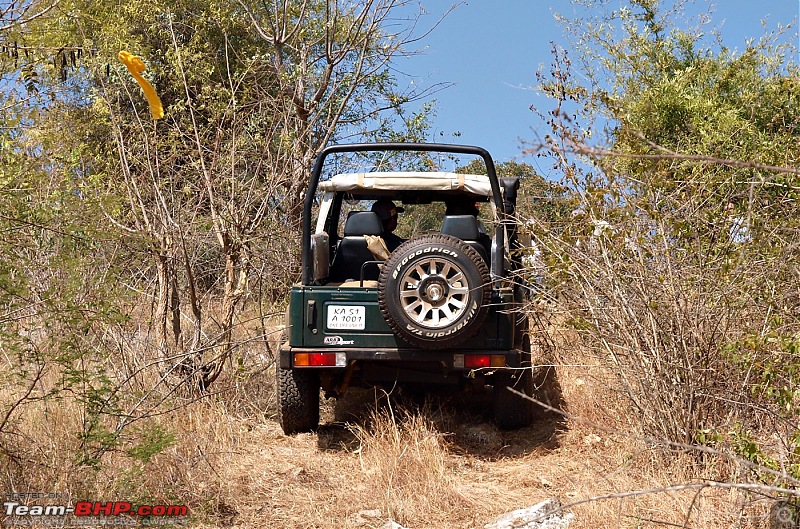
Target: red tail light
{"x": 476, "y": 361}
{"x": 320, "y": 360}
{"x": 472, "y": 361}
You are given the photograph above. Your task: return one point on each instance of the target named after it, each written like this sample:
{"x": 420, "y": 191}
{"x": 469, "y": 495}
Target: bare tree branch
{"x": 20, "y": 17}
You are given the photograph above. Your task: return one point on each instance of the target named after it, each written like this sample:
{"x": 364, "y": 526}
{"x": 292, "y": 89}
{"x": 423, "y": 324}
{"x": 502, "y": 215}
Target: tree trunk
{"x": 236, "y": 264}
{"x": 167, "y": 310}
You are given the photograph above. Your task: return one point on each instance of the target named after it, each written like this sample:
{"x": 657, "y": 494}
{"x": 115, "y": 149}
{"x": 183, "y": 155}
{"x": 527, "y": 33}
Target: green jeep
{"x": 440, "y": 309}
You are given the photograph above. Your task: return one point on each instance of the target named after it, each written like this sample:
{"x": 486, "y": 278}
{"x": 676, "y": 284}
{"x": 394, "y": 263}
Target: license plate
{"x": 347, "y": 317}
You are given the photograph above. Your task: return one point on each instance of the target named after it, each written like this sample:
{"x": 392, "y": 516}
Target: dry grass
{"x": 406, "y": 465}
{"x": 438, "y": 466}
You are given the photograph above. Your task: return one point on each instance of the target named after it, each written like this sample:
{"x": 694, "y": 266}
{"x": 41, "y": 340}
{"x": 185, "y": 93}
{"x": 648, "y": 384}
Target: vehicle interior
{"x": 349, "y": 220}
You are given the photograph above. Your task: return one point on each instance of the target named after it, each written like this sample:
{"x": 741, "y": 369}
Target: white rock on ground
{"x": 544, "y": 515}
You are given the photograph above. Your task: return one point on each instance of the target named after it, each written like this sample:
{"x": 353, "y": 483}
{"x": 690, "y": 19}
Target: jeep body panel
{"x": 315, "y": 307}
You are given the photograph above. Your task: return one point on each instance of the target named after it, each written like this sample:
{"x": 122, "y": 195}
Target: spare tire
{"x": 434, "y": 291}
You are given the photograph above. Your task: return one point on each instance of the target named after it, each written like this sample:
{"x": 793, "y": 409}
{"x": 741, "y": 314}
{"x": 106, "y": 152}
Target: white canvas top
{"x": 398, "y": 181}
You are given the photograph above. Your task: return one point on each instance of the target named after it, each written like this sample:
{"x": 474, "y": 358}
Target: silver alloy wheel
{"x": 434, "y": 293}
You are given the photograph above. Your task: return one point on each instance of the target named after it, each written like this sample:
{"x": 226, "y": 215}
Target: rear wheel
{"x": 512, "y": 411}
{"x": 298, "y": 399}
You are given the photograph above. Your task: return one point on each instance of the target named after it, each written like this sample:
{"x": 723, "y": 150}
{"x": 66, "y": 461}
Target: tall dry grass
{"x": 617, "y": 474}
{"x": 405, "y": 460}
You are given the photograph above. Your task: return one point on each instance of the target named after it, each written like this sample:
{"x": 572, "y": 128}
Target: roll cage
{"x": 498, "y": 249}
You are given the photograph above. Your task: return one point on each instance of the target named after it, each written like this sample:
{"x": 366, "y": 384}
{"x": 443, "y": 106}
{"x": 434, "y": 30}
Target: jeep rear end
{"x": 440, "y": 310}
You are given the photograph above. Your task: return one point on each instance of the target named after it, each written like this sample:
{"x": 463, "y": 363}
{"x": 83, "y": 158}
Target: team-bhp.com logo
{"x": 35, "y": 509}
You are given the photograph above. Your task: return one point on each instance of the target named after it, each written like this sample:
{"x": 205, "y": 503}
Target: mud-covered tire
{"x": 511, "y": 411}
{"x": 298, "y": 400}
{"x": 434, "y": 291}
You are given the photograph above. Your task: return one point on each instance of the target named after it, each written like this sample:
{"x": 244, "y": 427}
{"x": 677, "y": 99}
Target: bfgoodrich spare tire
{"x": 434, "y": 291}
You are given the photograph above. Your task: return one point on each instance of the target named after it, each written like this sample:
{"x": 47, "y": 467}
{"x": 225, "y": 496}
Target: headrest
{"x": 465, "y": 227}
{"x": 363, "y": 223}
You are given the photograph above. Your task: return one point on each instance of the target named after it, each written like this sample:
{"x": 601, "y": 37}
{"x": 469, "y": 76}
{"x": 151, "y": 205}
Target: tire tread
{"x": 298, "y": 400}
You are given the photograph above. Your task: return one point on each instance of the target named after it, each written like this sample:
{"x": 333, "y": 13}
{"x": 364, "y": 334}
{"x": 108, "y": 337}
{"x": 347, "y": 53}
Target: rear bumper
{"x": 452, "y": 360}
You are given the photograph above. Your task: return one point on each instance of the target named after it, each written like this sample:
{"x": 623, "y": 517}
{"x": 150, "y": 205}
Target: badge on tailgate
{"x": 352, "y": 317}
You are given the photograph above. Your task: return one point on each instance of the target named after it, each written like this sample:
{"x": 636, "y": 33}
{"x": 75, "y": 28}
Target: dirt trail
{"x": 448, "y": 468}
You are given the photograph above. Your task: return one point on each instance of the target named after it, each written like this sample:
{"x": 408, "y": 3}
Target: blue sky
{"x": 491, "y": 50}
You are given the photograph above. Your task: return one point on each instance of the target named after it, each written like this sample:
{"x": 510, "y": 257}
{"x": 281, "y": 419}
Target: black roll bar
{"x": 497, "y": 260}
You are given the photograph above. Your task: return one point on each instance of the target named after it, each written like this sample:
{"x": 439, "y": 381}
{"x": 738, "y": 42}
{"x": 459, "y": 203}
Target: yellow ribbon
{"x": 136, "y": 67}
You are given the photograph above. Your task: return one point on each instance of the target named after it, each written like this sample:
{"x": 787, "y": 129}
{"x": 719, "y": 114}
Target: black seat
{"x": 352, "y": 251}
{"x": 466, "y": 228}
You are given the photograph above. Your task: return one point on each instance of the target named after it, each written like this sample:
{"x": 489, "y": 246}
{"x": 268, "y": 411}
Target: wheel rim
{"x": 434, "y": 293}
